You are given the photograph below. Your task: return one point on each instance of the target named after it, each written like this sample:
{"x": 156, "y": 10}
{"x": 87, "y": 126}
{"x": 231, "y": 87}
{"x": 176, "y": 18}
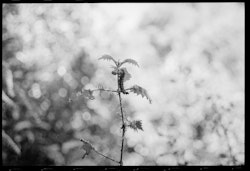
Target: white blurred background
{"x": 191, "y": 58}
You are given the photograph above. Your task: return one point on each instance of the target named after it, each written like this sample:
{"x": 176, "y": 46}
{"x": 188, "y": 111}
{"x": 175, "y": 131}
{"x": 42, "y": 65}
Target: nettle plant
{"x": 122, "y": 76}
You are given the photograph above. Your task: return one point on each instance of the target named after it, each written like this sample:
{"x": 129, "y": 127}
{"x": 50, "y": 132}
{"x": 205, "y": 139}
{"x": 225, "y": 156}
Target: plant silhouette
{"x": 122, "y": 76}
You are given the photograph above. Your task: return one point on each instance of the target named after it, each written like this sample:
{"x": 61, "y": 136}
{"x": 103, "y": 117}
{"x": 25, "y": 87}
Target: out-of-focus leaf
{"x": 8, "y": 76}
{"x": 33, "y": 109}
{"x": 139, "y": 90}
{"x": 11, "y": 103}
{"x": 9, "y": 82}
{"x": 53, "y": 152}
{"x": 69, "y": 145}
{"x": 108, "y": 57}
{"x": 7, "y": 100}
{"x": 22, "y": 125}
{"x": 130, "y": 61}
{"x": 87, "y": 148}
{"x": 137, "y": 124}
{"x": 43, "y": 126}
{"x": 8, "y": 142}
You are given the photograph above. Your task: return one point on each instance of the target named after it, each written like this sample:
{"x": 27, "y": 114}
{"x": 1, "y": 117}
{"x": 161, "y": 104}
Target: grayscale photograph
{"x": 123, "y": 84}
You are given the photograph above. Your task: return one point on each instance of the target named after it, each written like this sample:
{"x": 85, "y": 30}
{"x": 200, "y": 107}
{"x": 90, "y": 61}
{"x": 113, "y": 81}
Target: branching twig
{"x": 106, "y": 156}
{"x": 104, "y": 90}
{"x": 87, "y": 146}
{"x": 122, "y": 76}
{"x": 229, "y": 146}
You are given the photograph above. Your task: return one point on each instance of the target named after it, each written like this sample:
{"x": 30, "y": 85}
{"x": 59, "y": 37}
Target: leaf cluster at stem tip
{"x": 117, "y": 63}
{"x": 134, "y": 89}
{"x": 122, "y": 76}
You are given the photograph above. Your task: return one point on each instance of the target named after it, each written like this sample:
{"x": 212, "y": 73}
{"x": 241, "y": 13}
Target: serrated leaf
{"x": 130, "y": 61}
{"x": 140, "y": 91}
{"x": 127, "y": 75}
{"x": 135, "y": 125}
{"x": 108, "y": 58}
{"x": 87, "y": 147}
{"x": 139, "y": 124}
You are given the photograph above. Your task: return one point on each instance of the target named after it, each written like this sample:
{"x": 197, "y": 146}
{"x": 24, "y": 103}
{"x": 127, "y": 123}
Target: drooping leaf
{"x": 87, "y": 147}
{"x": 108, "y": 57}
{"x": 135, "y": 125}
{"x": 127, "y": 75}
{"x": 140, "y": 91}
{"x": 130, "y": 61}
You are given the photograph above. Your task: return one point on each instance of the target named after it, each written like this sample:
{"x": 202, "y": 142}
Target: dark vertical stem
{"x": 123, "y": 128}
{"x": 123, "y": 123}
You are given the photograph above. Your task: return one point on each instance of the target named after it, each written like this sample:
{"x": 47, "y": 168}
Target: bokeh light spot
{"x": 61, "y": 71}
{"x": 62, "y": 92}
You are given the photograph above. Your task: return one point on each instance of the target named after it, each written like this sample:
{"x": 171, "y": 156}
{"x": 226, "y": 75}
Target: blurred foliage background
{"x": 191, "y": 58}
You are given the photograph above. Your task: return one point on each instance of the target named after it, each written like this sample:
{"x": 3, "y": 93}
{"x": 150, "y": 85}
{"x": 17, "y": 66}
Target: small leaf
{"x": 127, "y": 75}
{"x": 130, "y": 61}
{"x": 139, "y": 90}
{"x": 23, "y": 125}
{"x": 109, "y": 58}
{"x": 89, "y": 94}
{"x": 137, "y": 124}
{"x": 115, "y": 71}
{"x": 87, "y": 147}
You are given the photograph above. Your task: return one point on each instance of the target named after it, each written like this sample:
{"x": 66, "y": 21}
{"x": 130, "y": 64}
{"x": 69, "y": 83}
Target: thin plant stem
{"x": 106, "y": 156}
{"x": 123, "y": 128}
{"x": 99, "y": 152}
{"x": 105, "y": 90}
{"x": 123, "y": 123}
